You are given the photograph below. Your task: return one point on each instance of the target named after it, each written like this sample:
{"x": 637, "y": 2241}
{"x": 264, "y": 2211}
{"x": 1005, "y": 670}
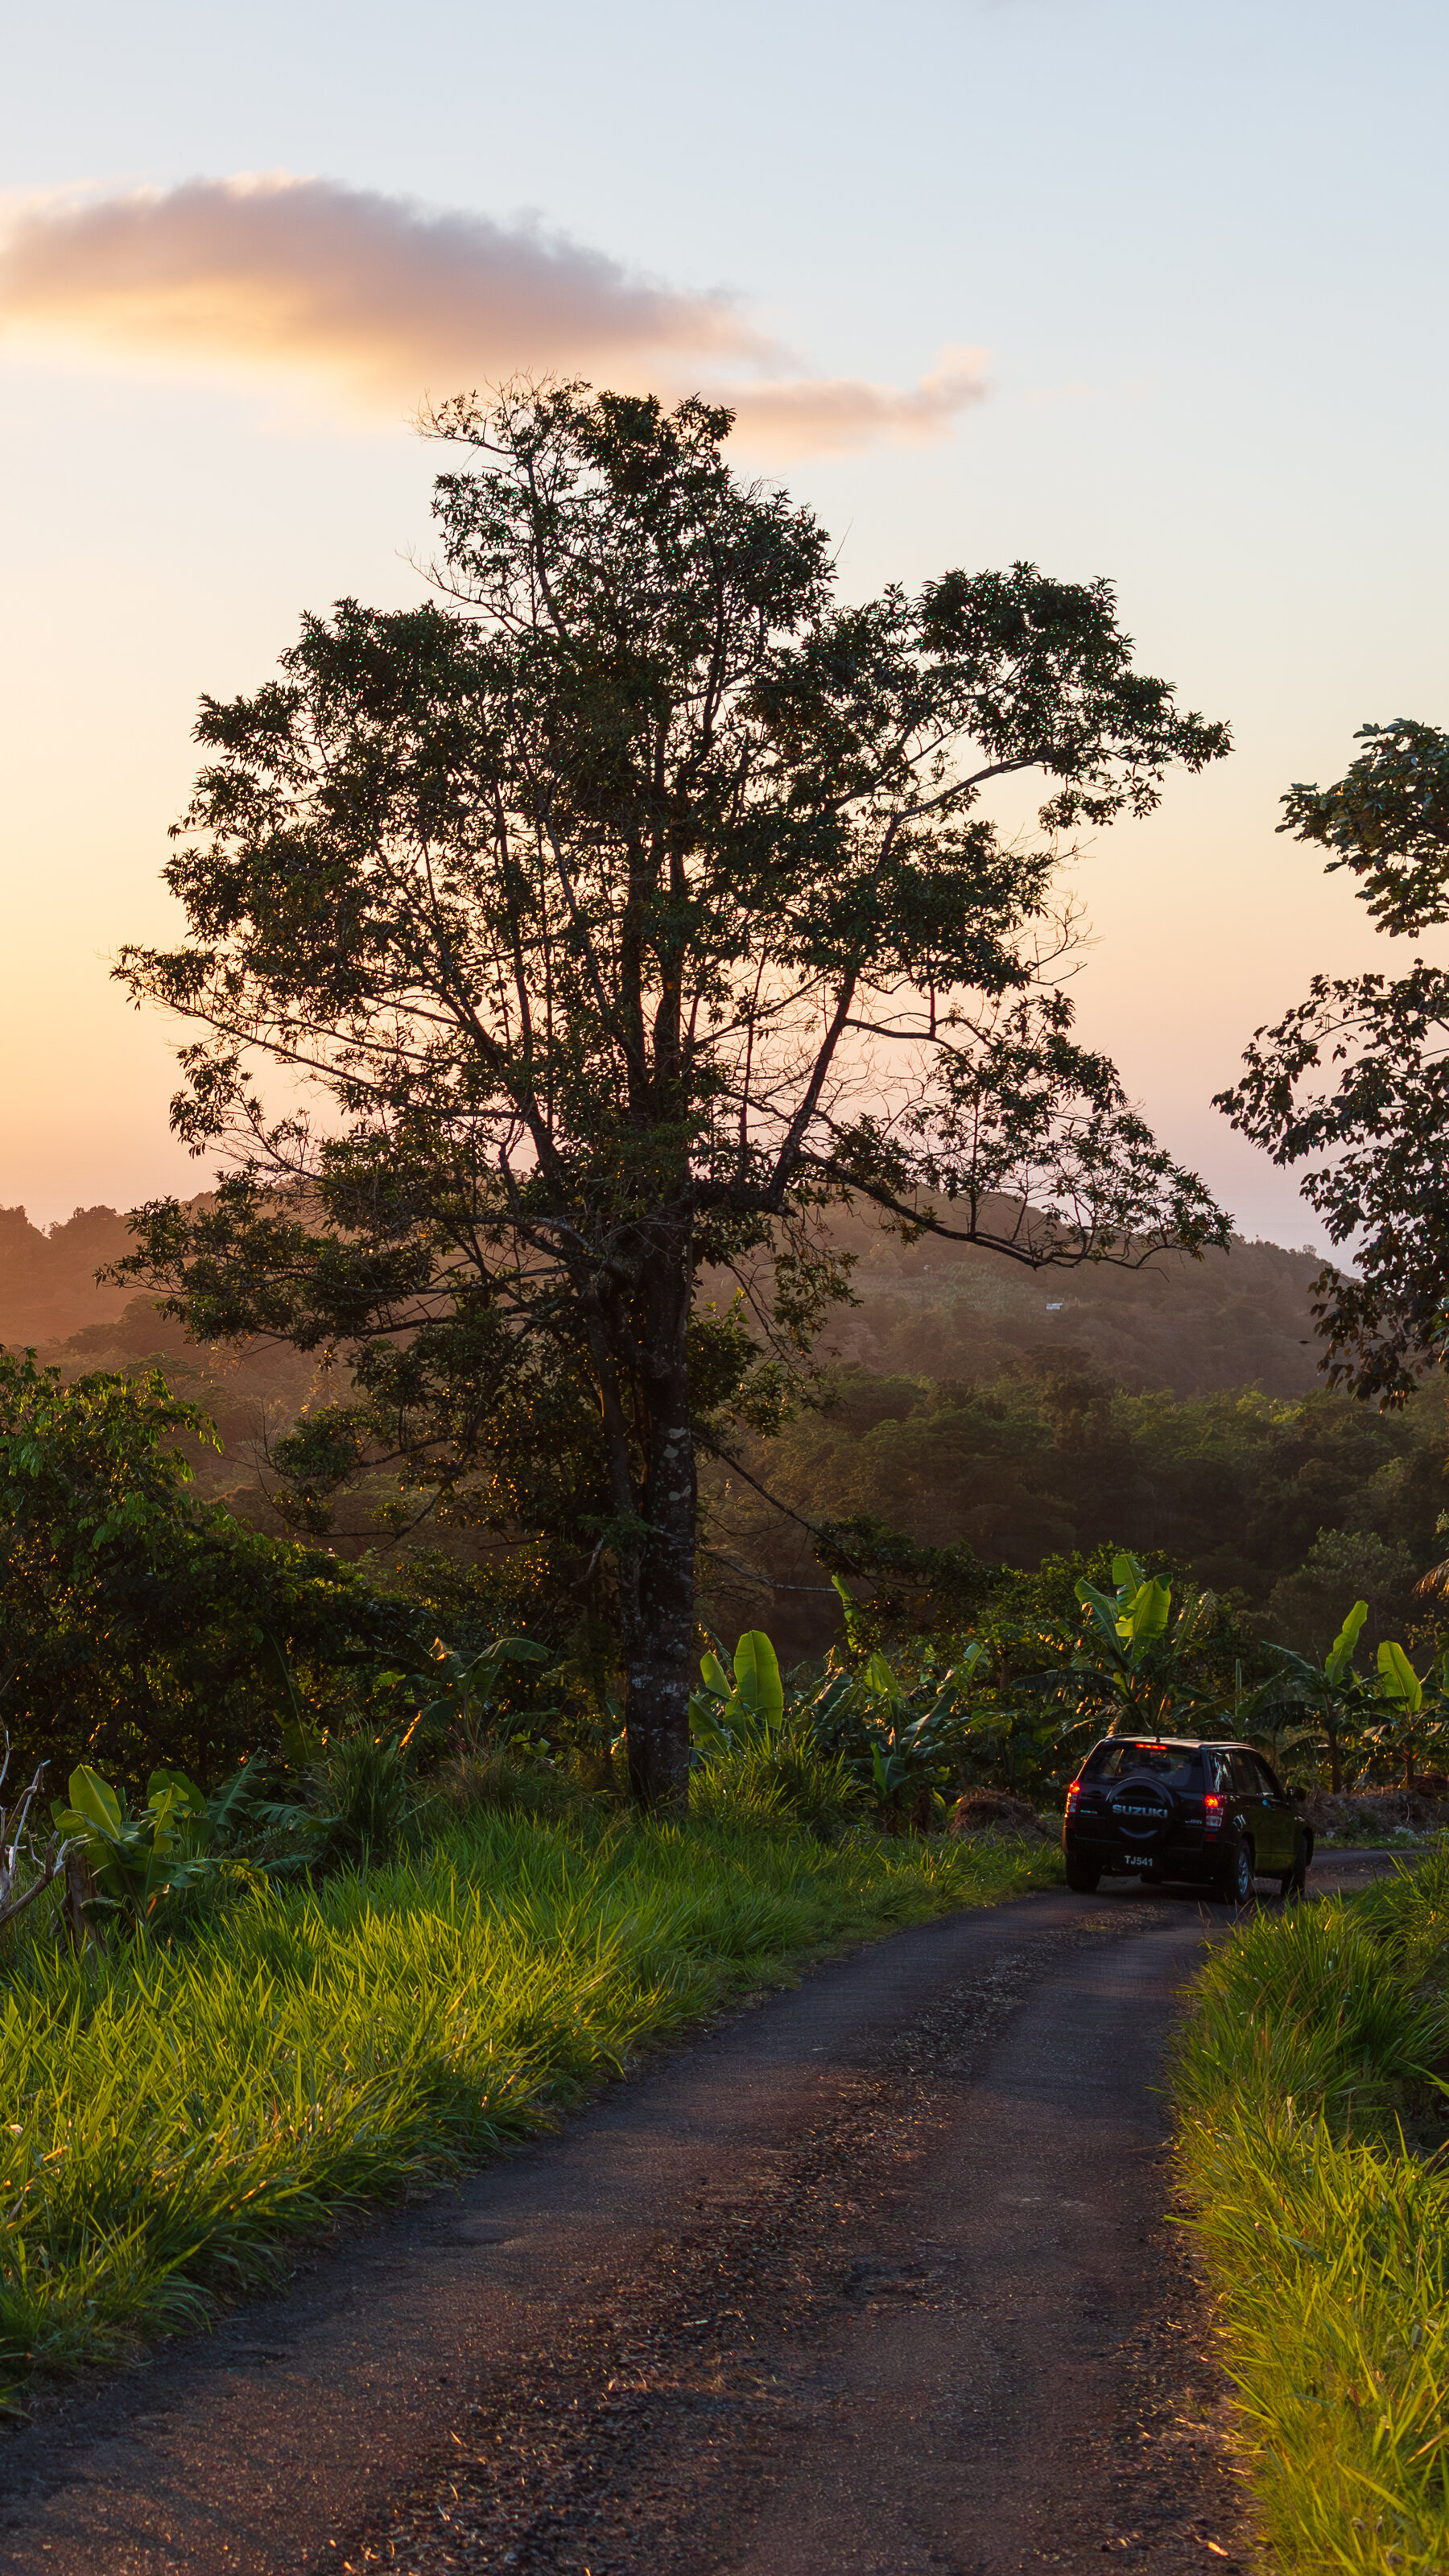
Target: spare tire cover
{"x": 1141, "y": 1811}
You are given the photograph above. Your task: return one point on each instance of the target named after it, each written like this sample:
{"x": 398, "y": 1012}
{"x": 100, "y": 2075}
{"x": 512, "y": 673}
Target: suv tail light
{"x": 1212, "y": 1812}
{"x": 1073, "y": 1795}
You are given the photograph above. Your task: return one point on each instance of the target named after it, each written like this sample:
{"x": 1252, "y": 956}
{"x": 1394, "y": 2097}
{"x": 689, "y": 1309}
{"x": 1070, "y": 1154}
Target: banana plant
{"x": 1014, "y": 1738}
{"x": 135, "y": 1860}
{"x": 918, "y": 1731}
{"x": 1133, "y": 1654}
{"x": 910, "y": 1735}
{"x": 1331, "y": 1695}
{"x": 747, "y": 1708}
{"x": 1418, "y": 1701}
{"x": 465, "y": 1689}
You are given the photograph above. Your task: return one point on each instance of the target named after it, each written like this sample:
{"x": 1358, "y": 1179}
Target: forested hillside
{"x": 944, "y": 1310}
{"x": 1032, "y": 1413}
{"x": 48, "y": 1279}
{"x": 1300, "y": 1505}
{"x": 50, "y": 1299}
{"x": 1024, "y": 1413}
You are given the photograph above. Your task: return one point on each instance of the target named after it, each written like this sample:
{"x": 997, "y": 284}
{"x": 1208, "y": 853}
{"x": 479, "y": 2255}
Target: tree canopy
{"x": 623, "y": 912}
{"x": 1354, "y": 1081}
{"x": 136, "y": 1624}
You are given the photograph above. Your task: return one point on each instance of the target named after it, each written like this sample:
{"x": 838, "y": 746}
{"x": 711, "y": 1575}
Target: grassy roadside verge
{"x": 175, "y": 2115}
{"x": 1309, "y": 2131}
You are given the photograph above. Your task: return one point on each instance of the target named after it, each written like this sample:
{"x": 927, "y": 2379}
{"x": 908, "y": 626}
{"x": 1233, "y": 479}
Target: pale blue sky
{"x": 1203, "y": 251}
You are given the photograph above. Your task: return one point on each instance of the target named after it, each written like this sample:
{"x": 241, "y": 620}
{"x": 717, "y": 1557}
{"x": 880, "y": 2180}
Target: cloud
{"x": 397, "y": 303}
{"x": 307, "y": 273}
{"x": 814, "y": 413}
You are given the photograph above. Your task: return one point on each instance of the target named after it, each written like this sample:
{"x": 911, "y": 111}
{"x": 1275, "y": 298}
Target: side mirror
{"x": 1296, "y": 1794}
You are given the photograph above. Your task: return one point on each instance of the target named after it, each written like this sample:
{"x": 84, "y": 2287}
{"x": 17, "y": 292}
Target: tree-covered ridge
{"x": 1016, "y": 1414}
{"x": 1233, "y": 1318}
{"x": 48, "y": 1286}
{"x": 929, "y": 1308}
{"x": 1297, "y": 1506}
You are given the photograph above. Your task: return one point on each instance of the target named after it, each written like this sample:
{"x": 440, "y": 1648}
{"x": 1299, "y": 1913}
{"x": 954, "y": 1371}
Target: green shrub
{"x": 364, "y": 1799}
{"x": 498, "y": 1781}
{"x": 147, "y": 1630}
{"x": 787, "y": 1778}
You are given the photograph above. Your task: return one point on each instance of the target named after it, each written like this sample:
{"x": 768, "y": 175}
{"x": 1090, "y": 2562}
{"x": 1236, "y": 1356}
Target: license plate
{"x": 1136, "y": 1860}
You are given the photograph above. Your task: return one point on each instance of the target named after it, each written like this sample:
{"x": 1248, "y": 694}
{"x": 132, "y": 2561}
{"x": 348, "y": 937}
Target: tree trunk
{"x": 659, "y": 1637}
{"x": 1335, "y": 1759}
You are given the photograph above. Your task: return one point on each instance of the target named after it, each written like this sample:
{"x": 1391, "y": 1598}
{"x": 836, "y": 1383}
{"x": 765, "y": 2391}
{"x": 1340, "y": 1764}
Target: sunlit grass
{"x": 177, "y": 2114}
{"x": 1327, "y": 2236}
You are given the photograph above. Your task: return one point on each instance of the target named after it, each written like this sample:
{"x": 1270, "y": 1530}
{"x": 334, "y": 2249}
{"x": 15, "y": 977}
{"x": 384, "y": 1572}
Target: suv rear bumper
{"x": 1198, "y": 1863}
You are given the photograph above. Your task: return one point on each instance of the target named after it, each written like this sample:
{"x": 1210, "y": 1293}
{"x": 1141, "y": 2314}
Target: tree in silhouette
{"x": 1354, "y": 1082}
{"x": 623, "y": 914}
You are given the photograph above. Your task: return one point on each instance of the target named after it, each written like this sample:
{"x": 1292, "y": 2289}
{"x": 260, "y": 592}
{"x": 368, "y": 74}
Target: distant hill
{"x": 929, "y": 1309}
{"x": 972, "y": 1400}
{"x": 942, "y": 1310}
{"x": 48, "y": 1279}
{"x": 49, "y": 1300}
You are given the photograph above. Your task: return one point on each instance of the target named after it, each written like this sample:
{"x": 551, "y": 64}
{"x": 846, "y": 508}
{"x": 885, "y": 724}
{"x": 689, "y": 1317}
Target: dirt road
{"x": 872, "y": 2278}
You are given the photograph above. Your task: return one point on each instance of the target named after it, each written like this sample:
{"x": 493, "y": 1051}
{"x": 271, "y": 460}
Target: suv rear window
{"x": 1173, "y": 1764}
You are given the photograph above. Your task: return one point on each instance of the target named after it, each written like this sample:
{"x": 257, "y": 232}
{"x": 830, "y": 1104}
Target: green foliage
{"x": 501, "y": 1780}
{"x": 903, "y": 1736}
{"x": 761, "y": 1755}
{"x": 914, "y": 1589}
{"x": 464, "y": 1697}
{"x": 142, "y": 1629}
{"x": 1353, "y": 1082}
{"x": 178, "y": 2115}
{"x": 783, "y": 1778}
{"x": 1330, "y": 1698}
{"x": 1338, "y": 1662}
{"x": 1010, "y": 1704}
{"x": 1311, "y": 2052}
{"x": 1419, "y": 1725}
{"x": 363, "y": 1798}
{"x": 1304, "y": 1608}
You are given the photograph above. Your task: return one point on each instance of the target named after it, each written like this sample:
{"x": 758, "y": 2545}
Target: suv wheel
{"x": 1082, "y": 1878}
{"x": 1236, "y": 1885}
{"x": 1294, "y": 1880}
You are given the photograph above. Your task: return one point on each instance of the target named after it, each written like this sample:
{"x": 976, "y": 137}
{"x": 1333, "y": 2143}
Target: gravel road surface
{"x": 872, "y": 2278}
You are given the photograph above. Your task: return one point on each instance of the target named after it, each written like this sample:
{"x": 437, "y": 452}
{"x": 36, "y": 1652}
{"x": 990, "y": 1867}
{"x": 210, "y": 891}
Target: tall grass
{"x": 1312, "y": 2050}
{"x": 176, "y": 2114}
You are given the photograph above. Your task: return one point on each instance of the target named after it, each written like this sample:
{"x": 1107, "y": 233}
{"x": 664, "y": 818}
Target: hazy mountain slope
{"x": 48, "y": 1280}
{"x": 941, "y": 1310}
{"x": 928, "y": 1309}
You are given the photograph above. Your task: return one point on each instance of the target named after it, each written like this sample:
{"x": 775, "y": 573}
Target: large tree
{"x": 623, "y": 913}
{"x": 1353, "y": 1082}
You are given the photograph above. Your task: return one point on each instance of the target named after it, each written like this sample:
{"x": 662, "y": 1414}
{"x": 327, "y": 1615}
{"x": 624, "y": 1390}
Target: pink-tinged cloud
{"x": 304, "y": 271}
{"x": 816, "y": 413}
{"x": 398, "y": 304}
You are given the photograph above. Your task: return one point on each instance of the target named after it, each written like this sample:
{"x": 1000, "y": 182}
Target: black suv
{"x": 1215, "y": 1815}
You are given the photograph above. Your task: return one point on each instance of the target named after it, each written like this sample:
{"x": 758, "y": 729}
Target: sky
{"x": 1121, "y": 287}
